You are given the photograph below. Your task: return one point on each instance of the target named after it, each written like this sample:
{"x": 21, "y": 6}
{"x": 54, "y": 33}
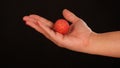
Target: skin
{"x": 80, "y": 37}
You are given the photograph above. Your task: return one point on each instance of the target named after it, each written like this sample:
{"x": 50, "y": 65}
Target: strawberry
{"x": 61, "y": 26}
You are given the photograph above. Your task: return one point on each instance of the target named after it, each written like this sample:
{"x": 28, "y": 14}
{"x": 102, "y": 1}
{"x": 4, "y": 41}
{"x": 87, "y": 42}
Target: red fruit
{"x": 61, "y": 26}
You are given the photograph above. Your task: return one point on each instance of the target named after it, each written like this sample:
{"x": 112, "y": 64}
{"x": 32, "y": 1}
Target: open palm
{"x": 76, "y": 39}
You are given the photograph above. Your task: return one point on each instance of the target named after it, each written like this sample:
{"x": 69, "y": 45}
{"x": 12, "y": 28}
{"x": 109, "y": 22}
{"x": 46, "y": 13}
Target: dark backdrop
{"x": 24, "y": 47}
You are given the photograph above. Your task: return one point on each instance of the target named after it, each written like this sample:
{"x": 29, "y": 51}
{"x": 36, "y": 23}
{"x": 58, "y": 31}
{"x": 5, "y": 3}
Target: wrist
{"x": 90, "y": 48}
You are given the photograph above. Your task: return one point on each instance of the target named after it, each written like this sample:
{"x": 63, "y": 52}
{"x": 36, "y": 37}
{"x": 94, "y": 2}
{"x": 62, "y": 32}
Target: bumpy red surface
{"x": 61, "y": 26}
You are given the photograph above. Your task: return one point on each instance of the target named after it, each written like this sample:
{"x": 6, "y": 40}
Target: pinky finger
{"x": 35, "y": 26}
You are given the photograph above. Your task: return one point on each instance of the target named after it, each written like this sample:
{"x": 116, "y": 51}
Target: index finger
{"x": 43, "y": 20}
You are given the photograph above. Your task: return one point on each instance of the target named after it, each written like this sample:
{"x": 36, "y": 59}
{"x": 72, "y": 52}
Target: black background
{"x": 24, "y": 47}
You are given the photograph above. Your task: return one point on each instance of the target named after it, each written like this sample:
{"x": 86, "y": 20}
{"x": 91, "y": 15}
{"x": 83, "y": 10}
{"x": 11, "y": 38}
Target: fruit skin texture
{"x": 61, "y": 26}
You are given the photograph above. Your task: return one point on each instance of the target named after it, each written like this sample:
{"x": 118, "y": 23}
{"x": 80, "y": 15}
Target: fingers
{"x": 41, "y": 19}
{"x": 32, "y": 23}
{"x": 41, "y": 24}
{"x": 70, "y": 16}
{"x": 44, "y": 26}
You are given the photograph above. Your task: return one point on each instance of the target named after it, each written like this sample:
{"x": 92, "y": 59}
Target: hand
{"x": 76, "y": 39}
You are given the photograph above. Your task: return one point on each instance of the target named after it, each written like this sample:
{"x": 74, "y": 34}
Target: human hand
{"x": 77, "y": 39}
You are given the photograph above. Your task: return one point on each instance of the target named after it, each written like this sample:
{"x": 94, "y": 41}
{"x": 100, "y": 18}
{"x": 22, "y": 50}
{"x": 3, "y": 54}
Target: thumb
{"x": 71, "y": 17}
{"x": 77, "y": 23}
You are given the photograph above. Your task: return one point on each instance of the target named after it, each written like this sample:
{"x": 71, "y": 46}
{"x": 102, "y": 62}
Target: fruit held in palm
{"x": 61, "y": 26}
